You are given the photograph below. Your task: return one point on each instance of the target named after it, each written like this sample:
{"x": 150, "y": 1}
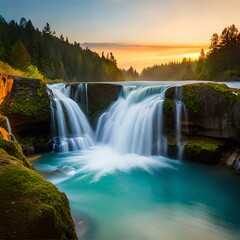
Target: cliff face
{"x": 213, "y": 110}
{"x": 26, "y": 104}
{"x": 216, "y": 113}
{"x": 100, "y": 97}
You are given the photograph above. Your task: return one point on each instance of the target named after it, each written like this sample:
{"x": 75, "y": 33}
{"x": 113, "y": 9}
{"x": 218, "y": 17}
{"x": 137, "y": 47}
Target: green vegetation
{"x": 168, "y": 106}
{"x": 198, "y": 144}
{"x": 227, "y": 94}
{"x": 223, "y": 59}
{"x": 6, "y": 68}
{"x": 13, "y": 148}
{"x": 205, "y": 150}
{"x": 31, "y": 100}
{"x": 184, "y": 70}
{"x": 33, "y": 207}
{"x": 190, "y": 96}
{"x": 42, "y": 53}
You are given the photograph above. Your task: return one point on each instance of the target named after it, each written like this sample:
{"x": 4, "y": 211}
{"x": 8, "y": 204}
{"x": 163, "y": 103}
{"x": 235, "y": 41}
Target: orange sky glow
{"x": 141, "y": 56}
{"x": 149, "y": 31}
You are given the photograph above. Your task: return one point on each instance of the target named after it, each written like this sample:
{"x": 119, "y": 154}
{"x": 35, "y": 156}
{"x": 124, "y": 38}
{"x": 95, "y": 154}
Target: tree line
{"x": 27, "y": 48}
{"x": 220, "y": 63}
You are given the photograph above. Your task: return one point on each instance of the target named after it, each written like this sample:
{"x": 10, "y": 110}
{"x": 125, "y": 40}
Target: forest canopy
{"x": 26, "y": 48}
{"x": 41, "y": 54}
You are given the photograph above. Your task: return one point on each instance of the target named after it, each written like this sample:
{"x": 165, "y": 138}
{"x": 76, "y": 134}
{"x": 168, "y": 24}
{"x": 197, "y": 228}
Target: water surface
{"x": 129, "y": 196}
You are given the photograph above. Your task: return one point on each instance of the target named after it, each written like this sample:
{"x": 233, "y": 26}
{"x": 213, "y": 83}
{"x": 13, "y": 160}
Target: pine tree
{"x": 20, "y": 57}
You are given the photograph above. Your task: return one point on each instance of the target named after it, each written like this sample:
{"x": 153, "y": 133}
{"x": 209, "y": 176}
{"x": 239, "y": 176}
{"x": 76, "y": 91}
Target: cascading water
{"x": 133, "y": 124}
{"x": 180, "y": 113}
{"x": 70, "y": 128}
{"x": 80, "y": 96}
{"x": 9, "y": 129}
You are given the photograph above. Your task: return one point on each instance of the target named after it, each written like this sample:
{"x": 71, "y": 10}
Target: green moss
{"x": 34, "y": 207}
{"x": 227, "y": 94}
{"x": 199, "y": 144}
{"x": 6, "y": 159}
{"x": 27, "y": 102}
{"x": 168, "y": 106}
{"x": 14, "y": 149}
{"x": 3, "y": 122}
{"x": 190, "y": 96}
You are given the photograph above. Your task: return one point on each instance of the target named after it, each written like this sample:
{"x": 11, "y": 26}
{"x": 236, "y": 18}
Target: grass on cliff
{"x": 6, "y": 68}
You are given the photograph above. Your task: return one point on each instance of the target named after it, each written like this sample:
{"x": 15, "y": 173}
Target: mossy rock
{"x": 31, "y": 207}
{"x": 205, "y": 150}
{"x": 6, "y": 159}
{"x": 14, "y": 149}
{"x": 3, "y": 122}
{"x": 28, "y": 98}
{"x": 228, "y": 95}
{"x": 194, "y": 95}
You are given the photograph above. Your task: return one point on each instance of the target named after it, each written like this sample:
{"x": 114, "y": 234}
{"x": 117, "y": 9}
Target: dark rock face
{"x": 213, "y": 115}
{"x": 100, "y": 97}
{"x": 213, "y": 110}
{"x": 27, "y": 106}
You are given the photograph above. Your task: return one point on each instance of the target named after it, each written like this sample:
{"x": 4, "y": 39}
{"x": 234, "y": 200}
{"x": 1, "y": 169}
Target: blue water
{"x": 132, "y": 197}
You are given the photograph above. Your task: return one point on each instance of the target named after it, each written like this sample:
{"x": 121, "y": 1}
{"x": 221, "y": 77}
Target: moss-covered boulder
{"x": 27, "y": 107}
{"x": 213, "y": 110}
{"x": 30, "y": 207}
{"x": 198, "y": 149}
{"x": 204, "y": 150}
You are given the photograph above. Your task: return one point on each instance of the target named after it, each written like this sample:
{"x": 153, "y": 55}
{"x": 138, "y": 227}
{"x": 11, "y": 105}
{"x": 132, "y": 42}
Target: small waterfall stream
{"x": 180, "y": 114}
{"x": 70, "y": 128}
{"x": 9, "y": 129}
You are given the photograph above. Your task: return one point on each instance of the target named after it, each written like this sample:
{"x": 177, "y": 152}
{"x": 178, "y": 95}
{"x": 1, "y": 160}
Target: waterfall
{"x": 180, "y": 113}
{"x": 70, "y": 128}
{"x": 80, "y": 96}
{"x": 9, "y": 129}
{"x": 133, "y": 124}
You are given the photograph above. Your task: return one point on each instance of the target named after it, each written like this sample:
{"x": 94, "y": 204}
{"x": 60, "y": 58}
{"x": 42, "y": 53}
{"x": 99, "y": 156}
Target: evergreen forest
{"x": 30, "y": 50}
{"x": 41, "y": 54}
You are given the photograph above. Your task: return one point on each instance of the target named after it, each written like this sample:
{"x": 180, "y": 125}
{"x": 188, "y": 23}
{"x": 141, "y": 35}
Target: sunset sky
{"x": 139, "y": 33}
